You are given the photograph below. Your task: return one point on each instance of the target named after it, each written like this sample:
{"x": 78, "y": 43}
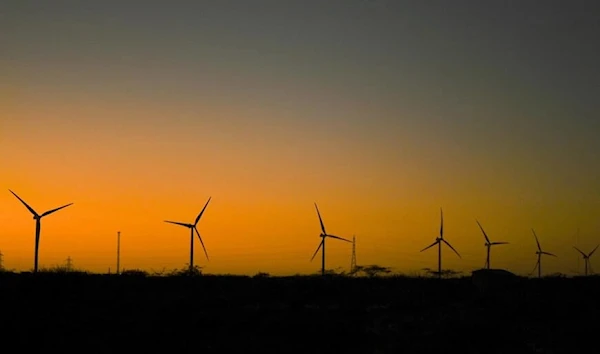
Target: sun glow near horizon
{"x": 276, "y": 236}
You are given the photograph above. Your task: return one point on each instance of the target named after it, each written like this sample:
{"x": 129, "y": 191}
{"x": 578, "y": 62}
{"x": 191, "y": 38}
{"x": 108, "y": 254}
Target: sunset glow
{"x": 379, "y": 112}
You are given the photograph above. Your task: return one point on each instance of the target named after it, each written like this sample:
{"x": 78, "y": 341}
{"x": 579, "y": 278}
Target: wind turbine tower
{"x": 539, "y": 253}
{"x": 323, "y": 236}
{"x": 1, "y": 261}
{"x": 193, "y": 228}
{"x": 577, "y": 244}
{"x": 488, "y": 245}
{"x": 438, "y": 242}
{"x": 38, "y": 226}
{"x": 353, "y": 260}
{"x": 118, "y": 251}
{"x": 586, "y": 259}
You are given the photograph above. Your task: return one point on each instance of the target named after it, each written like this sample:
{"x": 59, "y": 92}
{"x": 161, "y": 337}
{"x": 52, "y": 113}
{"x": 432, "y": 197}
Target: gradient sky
{"x": 380, "y": 111}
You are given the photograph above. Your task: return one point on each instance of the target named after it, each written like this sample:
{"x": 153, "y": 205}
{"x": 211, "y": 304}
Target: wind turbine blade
{"x": 594, "y": 250}
{"x": 179, "y": 223}
{"x": 320, "y": 220}
{"x": 441, "y": 223}
{"x": 536, "y": 240}
{"x": 339, "y": 238}
{"x": 26, "y": 205}
{"x": 449, "y": 245}
{"x": 202, "y": 243}
{"x": 580, "y": 251}
{"x": 499, "y": 243}
{"x": 202, "y": 212}
{"x": 57, "y": 209}
{"x": 318, "y": 248}
{"x": 484, "y": 234}
{"x": 428, "y": 247}
{"x": 549, "y": 254}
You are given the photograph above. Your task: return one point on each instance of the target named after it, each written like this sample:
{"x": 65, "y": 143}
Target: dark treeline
{"x": 301, "y": 314}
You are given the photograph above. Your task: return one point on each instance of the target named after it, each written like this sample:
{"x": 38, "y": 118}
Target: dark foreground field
{"x": 218, "y": 314}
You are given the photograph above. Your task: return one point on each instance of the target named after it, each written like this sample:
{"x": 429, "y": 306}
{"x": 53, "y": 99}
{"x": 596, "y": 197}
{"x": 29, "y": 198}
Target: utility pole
{"x": 118, "y": 251}
{"x": 69, "y": 264}
{"x": 353, "y": 260}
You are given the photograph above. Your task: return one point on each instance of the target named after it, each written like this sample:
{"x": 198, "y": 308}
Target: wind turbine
{"x": 323, "y": 236}
{"x": 193, "y": 228}
{"x": 38, "y": 226}
{"x": 488, "y": 245}
{"x": 438, "y": 241}
{"x": 586, "y": 258}
{"x": 539, "y": 253}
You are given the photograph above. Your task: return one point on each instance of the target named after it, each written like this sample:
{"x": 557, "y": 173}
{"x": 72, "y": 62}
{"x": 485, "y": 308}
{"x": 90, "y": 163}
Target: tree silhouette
{"x": 446, "y": 273}
{"x": 372, "y": 270}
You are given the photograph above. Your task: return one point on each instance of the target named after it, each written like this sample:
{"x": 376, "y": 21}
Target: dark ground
{"x": 221, "y": 314}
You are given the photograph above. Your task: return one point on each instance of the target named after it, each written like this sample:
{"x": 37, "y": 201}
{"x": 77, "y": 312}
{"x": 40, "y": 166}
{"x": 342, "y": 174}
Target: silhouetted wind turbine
{"x": 586, "y": 258}
{"x": 38, "y": 226}
{"x": 324, "y": 235}
{"x": 489, "y": 245}
{"x": 193, "y": 228}
{"x": 539, "y": 253}
{"x": 438, "y": 241}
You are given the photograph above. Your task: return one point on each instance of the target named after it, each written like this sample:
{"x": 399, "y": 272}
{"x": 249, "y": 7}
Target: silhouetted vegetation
{"x": 173, "y": 312}
{"x": 371, "y": 270}
{"x": 134, "y": 273}
{"x": 446, "y": 273}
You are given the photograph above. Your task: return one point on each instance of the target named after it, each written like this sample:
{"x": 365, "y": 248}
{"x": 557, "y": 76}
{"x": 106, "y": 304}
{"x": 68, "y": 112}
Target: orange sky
{"x": 261, "y": 217}
{"x": 381, "y": 115}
